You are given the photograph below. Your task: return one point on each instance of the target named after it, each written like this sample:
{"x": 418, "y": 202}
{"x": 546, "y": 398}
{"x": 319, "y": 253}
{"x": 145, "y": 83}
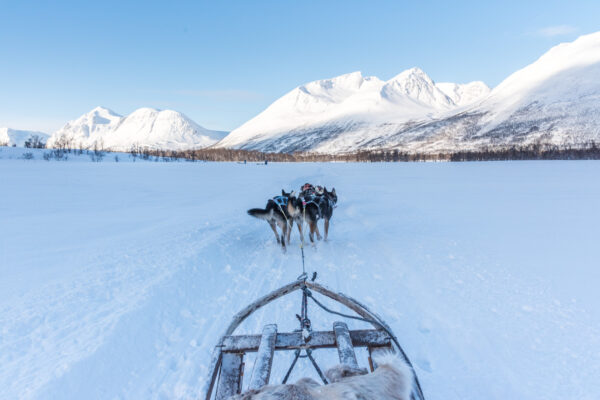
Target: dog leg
{"x": 299, "y": 223}
{"x": 283, "y": 226}
{"x": 272, "y": 225}
{"x": 319, "y": 237}
{"x": 289, "y": 229}
{"x": 326, "y": 225}
{"x": 312, "y": 232}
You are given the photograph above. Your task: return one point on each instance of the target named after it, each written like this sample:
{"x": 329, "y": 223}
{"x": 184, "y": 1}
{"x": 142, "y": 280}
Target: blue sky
{"x": 222, "y": 62}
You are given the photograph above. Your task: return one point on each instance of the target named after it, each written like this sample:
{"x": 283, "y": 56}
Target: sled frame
{"x": 227, "y": 368}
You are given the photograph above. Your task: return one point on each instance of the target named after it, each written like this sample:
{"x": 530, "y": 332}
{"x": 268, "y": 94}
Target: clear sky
{"x": 222, "y": 62}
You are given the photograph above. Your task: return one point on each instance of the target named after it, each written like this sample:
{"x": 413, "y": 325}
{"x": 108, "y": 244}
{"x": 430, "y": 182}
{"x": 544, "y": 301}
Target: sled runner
{"x": 227, "y": 364}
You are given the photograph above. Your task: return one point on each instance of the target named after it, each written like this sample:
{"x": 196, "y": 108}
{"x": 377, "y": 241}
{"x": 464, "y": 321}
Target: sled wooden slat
{"x": 294, "y": 340}
{"x": 264, "y": 358}
{"x": 230, "y": 380}
{"x": 344, "y": 344}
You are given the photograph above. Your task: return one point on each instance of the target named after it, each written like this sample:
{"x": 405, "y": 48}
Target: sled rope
{"x": 302, "y": 239}
{"x": 287, "y": 223}
{"x": 306, "y": 331}
{"x": 312, "y": 360}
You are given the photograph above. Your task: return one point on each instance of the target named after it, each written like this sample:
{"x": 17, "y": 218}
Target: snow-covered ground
{"x": 117, "y": 278}
{"x": 31, "y": 155}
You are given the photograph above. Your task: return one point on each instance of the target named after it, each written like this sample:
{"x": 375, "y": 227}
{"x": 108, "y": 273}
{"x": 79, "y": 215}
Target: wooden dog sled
{"x": 227, "y": 364}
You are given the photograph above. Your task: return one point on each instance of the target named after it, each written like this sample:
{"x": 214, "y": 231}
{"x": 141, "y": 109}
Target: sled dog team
{"x": 312, "y": 204}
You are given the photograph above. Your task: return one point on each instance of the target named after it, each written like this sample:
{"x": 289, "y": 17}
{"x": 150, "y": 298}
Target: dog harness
{"x": 317, "y": 201}
{"x": 281, "y": 201}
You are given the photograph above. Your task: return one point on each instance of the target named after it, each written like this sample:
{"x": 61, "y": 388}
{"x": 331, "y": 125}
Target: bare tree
{"x": 35, "y": 142}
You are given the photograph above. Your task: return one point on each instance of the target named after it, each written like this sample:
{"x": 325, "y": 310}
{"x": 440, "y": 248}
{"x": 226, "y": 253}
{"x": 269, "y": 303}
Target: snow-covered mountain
{"x": 15, "y": 137}
{"x": 144, "y": 127}
{"x": 555, "y": 100}
{"x": 86, "y": 129}
{"x": 348, "y": 111}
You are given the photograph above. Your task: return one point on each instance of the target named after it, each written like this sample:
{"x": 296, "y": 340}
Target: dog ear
{"x": 293, "y": 194}
{"x": 282, "y": 192}
{"x": 333, "y": 191}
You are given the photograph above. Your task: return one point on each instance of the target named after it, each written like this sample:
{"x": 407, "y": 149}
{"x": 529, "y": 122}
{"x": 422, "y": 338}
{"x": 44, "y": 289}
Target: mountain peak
{"x": 145, "y": 110}
{"x": 334, "y": 87}
{"x": 412, "y": 74}
{"x": 99, "y": 110}
{"x": 148, "y": 127}
{"x": 417, "y": 85}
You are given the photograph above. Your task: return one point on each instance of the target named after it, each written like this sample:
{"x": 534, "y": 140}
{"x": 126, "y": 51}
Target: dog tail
{"x": 258, "y": 213}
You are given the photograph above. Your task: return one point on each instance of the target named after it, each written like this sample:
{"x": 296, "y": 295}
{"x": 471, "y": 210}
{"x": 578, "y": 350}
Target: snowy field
{"x": 117, "y": 278}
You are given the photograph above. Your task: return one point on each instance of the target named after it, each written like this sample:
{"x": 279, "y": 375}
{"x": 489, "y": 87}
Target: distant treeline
{"x": 588, "y": 151}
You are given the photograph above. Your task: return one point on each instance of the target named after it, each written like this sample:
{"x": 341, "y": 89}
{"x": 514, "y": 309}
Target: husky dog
{"x": 392, "y": 380}
{"x": 314, "y": 206}
{"x": 280, "y": 211}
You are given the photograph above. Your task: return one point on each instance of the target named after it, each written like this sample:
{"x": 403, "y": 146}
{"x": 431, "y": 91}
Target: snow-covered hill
{"x": 15, "y": 137}
{"x": 325, "y": 115}
{"x": 145, "y": 127}
{"x": 555, "y": 100}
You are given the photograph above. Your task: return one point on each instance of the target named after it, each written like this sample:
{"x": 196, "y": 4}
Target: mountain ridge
{"x": 554, "y": 101}
{"x": 336, "y": 104}
{"x": 144, "y": 127}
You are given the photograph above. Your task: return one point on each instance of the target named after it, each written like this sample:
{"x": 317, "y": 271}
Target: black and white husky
{"x": 312, "y": 207}
{"x": 280, "y": 211}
